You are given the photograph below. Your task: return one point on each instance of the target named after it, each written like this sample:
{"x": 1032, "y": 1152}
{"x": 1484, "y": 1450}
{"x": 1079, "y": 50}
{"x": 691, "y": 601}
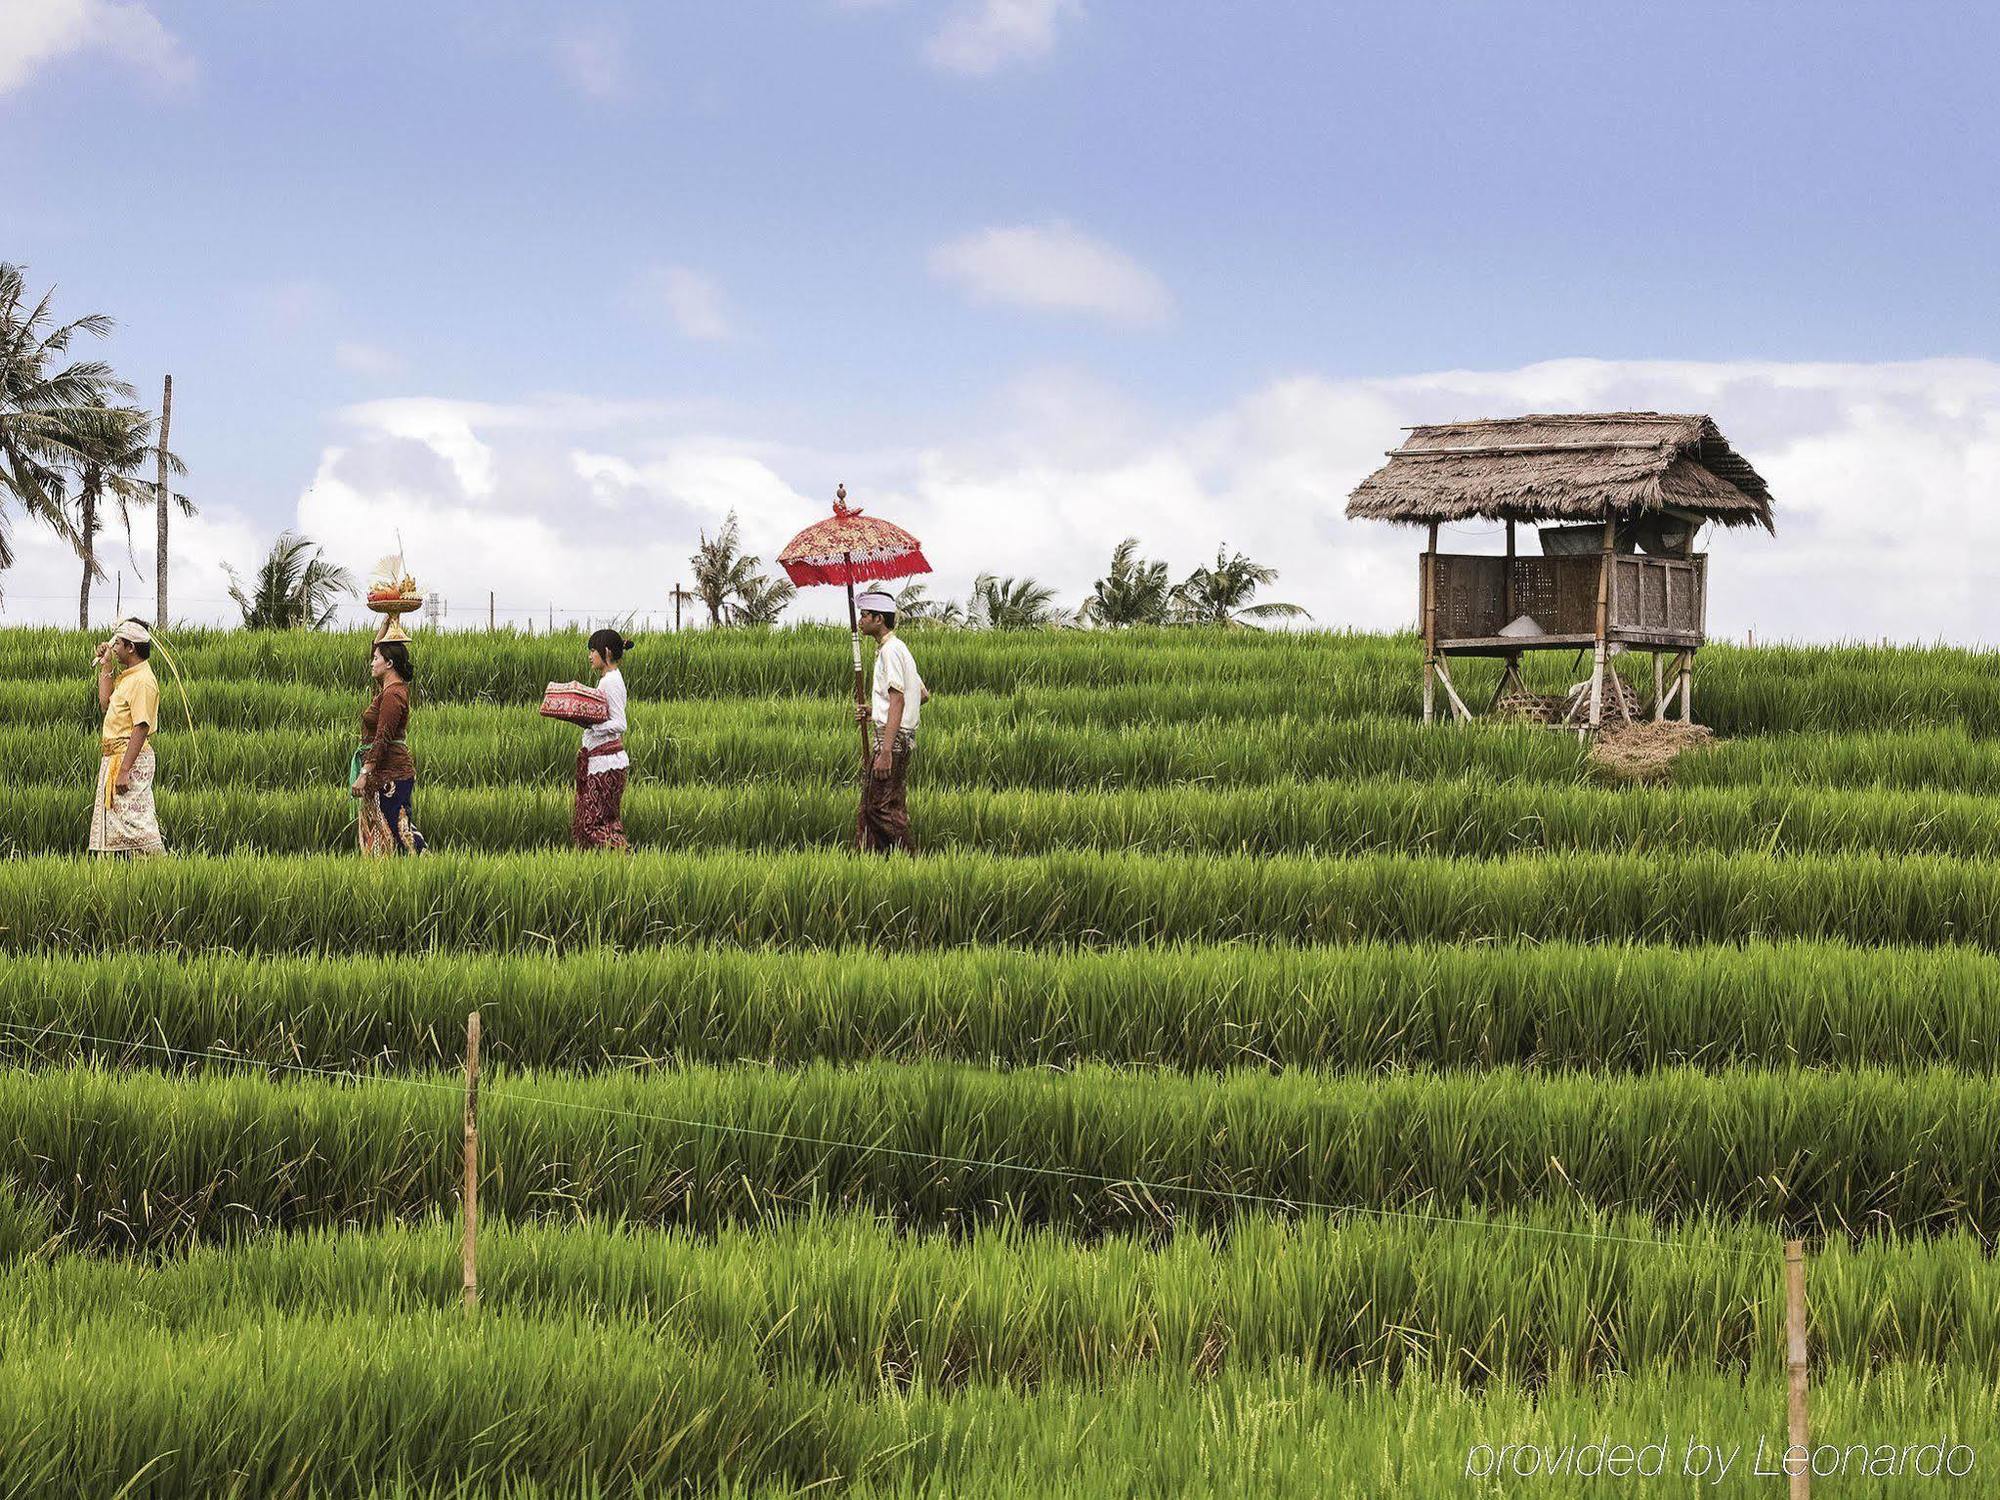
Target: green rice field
{"x": 1252, "y": 1091}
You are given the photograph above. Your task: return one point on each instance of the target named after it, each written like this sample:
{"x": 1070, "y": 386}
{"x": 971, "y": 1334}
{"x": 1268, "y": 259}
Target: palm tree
{"x": 112, "y": 444}
{"x": 295, "y": 589}
{"x": 1135, "y": 592}
{"x": 44, "y": 395}
{"x": 1010, "y": 603}
{"x": 723, "y": 573}
{"x": 760, "y": 601}
{"x": 913, "y": 606}
{"x": 1221, "y": 595}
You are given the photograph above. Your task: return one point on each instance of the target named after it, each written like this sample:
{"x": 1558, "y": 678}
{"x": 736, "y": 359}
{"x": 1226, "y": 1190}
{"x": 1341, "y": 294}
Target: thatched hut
{"x": 1619, "y": 498}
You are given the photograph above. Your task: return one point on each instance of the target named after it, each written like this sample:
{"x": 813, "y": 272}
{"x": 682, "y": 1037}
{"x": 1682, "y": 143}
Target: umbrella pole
{"x": 854, "y": 631}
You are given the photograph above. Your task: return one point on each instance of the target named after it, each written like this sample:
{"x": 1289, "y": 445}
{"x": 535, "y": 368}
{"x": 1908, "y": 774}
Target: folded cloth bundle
{"x": 574, "y": 702}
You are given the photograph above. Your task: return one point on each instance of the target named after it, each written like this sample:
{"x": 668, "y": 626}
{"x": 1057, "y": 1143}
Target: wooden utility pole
{"x": 1798, "y": 1435}
{"x": 469, "y": 1251}
{"x": 489, "y": 611}
{"x": 162, "y": 500}
{"x": 680, "y": 594}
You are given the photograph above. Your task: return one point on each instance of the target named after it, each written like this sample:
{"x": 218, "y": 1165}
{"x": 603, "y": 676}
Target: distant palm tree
{"x": 914, "y": 606}
{"x": 43, "y": 394}
{"x": 760, "y": 601}
{"x": 295, "y": 588}
{"x": 1010, "y": 603}
{"x": 731, "y": 583}
{"x": 111, "y": 444}
{"x": 1135, "y": 592}
{"x": 1221, "y": 595}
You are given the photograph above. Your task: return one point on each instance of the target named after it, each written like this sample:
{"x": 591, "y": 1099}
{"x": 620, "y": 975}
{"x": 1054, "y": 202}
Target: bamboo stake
{"x": 1795, "y": 1368}
{"x": 1430, "y": 626}
{"x": 469, "y": 1251}
{"x": 1659, "y": 688}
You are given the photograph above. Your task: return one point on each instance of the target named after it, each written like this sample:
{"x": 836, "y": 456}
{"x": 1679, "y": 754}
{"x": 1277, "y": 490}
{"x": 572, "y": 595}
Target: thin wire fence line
{"x": 941, "y": 1158}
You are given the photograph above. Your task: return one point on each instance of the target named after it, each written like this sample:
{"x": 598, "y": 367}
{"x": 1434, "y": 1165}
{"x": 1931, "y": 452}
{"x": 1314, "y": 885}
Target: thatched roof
{"x": 1564, "y": 468}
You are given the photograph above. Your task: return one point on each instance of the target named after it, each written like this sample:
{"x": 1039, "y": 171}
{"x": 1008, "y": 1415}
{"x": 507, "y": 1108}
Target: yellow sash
{"x": 111, "y": 748}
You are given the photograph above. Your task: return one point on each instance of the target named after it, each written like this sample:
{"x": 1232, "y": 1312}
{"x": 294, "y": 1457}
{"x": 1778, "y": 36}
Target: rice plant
{"x": 1364, "y": 1008}
{"x": 1547, "y": 1295}
{"x": 149, "y": 1162}
{"x": 275, "y": 906}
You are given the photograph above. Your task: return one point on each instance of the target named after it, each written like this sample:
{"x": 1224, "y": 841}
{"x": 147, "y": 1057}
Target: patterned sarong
{"x": 384, "y": 828}
{"x": 599, "y": 796}
{"x": 884, "y": 823}
{"x": 125, "y": 822}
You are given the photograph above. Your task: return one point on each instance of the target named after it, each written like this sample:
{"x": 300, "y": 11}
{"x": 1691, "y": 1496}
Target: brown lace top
{"x": 387, "y": 720}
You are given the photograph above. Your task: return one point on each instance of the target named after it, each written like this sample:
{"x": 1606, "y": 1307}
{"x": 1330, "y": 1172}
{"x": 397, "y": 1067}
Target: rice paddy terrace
{"x": 1252, "y": 1092}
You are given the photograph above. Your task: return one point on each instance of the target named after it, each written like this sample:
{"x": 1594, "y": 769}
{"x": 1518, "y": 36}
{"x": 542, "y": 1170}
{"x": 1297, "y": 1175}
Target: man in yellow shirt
{"x": 123, "y": 820}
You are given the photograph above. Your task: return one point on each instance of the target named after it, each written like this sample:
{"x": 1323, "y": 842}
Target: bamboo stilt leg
{"x": 1603, "y": 629}
{"x": 1430, "y": 626}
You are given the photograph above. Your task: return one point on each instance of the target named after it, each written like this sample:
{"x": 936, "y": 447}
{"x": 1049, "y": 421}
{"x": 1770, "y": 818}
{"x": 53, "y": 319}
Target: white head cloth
{"x": 876, "y": 602}
{"x": 133, "y": 631}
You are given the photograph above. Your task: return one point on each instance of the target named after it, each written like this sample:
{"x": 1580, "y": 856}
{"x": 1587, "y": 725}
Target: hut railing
{"x": 1655, "y": 597}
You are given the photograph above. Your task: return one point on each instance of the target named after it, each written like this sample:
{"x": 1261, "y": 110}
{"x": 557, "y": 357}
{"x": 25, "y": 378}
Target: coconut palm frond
{"x": 295, "y": 588}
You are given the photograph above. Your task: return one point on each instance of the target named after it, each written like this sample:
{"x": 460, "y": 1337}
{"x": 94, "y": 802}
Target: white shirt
{"x": 612, "y": 685}
{"x": 896, "y": 669}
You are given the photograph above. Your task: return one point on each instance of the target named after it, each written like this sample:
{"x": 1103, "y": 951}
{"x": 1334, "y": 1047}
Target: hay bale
{"x": 1645, "y": 751}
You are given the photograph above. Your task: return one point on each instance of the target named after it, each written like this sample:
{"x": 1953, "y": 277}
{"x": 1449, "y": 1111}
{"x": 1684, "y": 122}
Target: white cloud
{"x": 34, "y": 33}
{"x": 687, "y": 298}
{"x": 42, "y": 585}
{"x": 367, "y": 359}
{"x": 1053, "y": 268}
{"x": 290, "y": 306}
{"x": 593, "y": 59}
{"x": 1882, "y": 476}
{"x": 983, "y": 36}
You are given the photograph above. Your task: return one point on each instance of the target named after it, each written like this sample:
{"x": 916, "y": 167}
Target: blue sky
{"x": 1170, "y": 268}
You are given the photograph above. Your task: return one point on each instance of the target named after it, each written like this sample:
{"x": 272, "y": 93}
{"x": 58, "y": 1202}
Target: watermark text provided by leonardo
{"x": 1694, "y": 1458}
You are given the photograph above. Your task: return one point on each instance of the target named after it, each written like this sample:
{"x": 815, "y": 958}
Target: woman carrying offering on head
{"x": 385, "y": 773}
{"x": 601, "y": 762}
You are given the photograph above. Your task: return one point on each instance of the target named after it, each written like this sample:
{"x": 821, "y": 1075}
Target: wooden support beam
{"x": 1451, "y": 692}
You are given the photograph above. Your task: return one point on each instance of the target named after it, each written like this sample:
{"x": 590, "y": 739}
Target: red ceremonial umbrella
{"x": 851, "y": 548}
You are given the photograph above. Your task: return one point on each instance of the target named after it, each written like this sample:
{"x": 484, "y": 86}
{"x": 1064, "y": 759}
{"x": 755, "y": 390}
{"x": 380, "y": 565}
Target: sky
{"x": 550, "y": 289}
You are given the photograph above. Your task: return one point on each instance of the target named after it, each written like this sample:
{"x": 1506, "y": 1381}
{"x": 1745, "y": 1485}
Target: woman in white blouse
{"x": 601, "y": 763}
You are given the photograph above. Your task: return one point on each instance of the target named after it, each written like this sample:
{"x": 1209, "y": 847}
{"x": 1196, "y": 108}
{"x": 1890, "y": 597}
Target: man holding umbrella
{"x": 845, "y": 549}
{"x": 897, "y": 703}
